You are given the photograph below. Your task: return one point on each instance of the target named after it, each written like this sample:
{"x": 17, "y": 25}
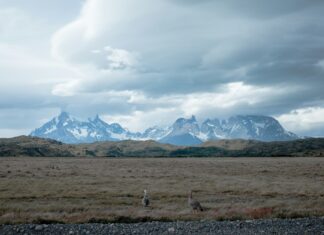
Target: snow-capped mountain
{"x": 155, "y": 133}
{"x": 257, "y": 127}
{"x": 212, "y": 129}
{"x": 246, "y": 127}
{"x": 68, "y": 129}
{"x": 184, "y": 131}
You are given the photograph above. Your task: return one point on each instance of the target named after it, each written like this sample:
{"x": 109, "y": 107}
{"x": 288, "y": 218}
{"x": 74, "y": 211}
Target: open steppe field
{"x": 74, "y": 190}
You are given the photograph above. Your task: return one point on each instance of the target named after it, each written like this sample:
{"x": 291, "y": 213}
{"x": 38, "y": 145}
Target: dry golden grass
{"x": 102, "y": 189}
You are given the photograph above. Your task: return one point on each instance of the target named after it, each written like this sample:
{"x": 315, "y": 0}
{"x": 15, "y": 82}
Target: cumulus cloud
{"x": 244, "y": 99}
{"x": 140, "y": 120}
{"x": 306, "y": 121}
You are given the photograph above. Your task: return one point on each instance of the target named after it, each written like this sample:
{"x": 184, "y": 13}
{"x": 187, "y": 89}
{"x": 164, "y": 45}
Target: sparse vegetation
{"x": 109, "y": 189}
{"x": 37, "y": 147}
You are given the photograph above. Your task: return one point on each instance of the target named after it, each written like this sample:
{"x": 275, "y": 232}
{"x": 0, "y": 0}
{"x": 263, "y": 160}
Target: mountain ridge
{"x": 183, "y": 132}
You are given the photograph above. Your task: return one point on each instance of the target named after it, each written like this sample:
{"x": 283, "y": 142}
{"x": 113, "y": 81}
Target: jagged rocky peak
{"x": 113, "y": 127}
{"x": 182, "y": 121}
{"x": 184, "y": 131}
{"x": 213, "y": 129}
{"x": 63, "y": 117}
{"x": 256, "y": 127}
{"x": 68, "y": 129}
{"x": 183, "y": 125}
{"x": 155, "y": 133}
{"x": 95, "y": 119}
{"x": 210, "y": 123}
{"x": 116, "y": 128}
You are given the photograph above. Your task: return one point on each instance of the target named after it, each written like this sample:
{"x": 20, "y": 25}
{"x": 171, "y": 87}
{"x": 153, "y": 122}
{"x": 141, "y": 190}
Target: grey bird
{"x": 193, "y": 203}
{"x": 145, "y": 200}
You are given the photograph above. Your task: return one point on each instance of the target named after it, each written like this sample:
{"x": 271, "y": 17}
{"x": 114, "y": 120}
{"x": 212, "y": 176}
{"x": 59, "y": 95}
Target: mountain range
{"x": 184, "y": 132}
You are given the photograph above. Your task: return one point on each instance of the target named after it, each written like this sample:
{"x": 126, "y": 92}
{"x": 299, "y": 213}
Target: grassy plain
{"x": 75, "y": 190}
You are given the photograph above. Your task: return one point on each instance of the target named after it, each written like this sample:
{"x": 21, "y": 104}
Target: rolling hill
{"x": 27, "y": 146}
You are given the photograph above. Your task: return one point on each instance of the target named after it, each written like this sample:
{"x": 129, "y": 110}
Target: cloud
{"x": 20, "y": 121}
{"x": 143, "y": 60}
{"x": 305, "y": 121}
{"x": 253, "y": 8}
{"x": 65, "y": 89}
{"x": 119, "y": 58}
{"x": 203, "y": 50}
{"x": 146, "y": 111}
{"x": 234, "y": 58}
{"x": 139, "y": 120}
{"x": 11, "y": 19}
{"x": 320, "y": 64}
{"x": 28, "y": 74}
{"x": 27, "y": 78}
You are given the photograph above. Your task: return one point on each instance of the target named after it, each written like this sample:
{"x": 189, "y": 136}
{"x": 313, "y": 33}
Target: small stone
{"x": 45, "y": 225}
{"x": 71, "y": 232}
{"x": 171, "y": 230}
{"x": 38, "y": 227}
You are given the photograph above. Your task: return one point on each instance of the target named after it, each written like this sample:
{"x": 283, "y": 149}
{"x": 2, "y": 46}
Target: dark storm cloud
{"x": 197, "y": 59}
{"x": 254, "y": 8}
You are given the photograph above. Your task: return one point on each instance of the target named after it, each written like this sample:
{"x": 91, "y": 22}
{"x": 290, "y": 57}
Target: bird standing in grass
{"x": 194, "y": 204}
{"x": 145, "y": 200}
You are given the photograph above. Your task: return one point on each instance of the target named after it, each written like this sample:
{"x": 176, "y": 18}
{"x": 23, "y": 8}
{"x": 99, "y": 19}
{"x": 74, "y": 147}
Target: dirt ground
{"x": 73, "y": 190}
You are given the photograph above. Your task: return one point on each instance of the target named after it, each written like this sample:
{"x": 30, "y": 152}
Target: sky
{"x": 144, "y": 63}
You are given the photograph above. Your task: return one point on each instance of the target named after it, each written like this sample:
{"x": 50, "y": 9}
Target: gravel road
{"x": 273, "y": 226}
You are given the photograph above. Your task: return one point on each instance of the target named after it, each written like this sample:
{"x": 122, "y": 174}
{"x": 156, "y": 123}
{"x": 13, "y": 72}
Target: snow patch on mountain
{"x": 68, "y": 129}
